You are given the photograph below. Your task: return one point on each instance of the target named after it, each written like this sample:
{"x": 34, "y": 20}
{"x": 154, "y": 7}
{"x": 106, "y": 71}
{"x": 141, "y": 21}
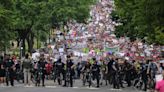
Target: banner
{"x": 112, "y": 49}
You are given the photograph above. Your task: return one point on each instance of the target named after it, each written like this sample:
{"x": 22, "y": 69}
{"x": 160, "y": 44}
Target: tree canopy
{"x": 29, "y": 19}
{"x": 140, "y": 19}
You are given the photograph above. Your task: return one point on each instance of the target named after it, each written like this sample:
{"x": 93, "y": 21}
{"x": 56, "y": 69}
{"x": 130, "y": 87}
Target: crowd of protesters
{"x": 134, "y": 64}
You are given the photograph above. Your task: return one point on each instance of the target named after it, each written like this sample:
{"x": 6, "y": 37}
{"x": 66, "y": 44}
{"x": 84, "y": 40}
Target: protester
{"x": 27, "y": 66}
{"x": 160, "y": 85}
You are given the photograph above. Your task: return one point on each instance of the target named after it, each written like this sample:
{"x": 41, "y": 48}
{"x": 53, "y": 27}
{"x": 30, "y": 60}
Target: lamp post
{"x": 21, "y": 48}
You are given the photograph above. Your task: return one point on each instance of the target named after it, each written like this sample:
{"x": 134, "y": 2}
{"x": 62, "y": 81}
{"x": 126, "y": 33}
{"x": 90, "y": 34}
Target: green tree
{"x": 66, "y": 10}
{"x": 33, "y": 17}
{"x": 5, "y": 24}
{"x": 29, "y": 17}
{"x": 140, "y": 19}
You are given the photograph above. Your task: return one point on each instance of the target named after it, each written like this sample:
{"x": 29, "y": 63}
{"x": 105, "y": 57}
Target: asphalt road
{"x": 53, "y": 87}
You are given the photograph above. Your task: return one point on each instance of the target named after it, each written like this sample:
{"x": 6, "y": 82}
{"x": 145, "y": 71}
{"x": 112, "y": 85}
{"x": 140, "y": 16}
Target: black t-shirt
{"x": 87, "y": 66}
{"x": 110, "y": 63}
{"x": 17, "y": 66}
{"x": 144, "y": 68}
{"x": 59, "y": 65}
{"x": 42, "y": 64}
{"x": 69, "y": 64}
{"x": 9, "y": 63}
{"x": 96, "y": 68}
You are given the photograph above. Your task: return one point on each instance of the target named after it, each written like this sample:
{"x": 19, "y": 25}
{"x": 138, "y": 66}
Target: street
{"x": 51, "y": 87}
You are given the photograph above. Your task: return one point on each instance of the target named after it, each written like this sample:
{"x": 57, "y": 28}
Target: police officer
{"x": 144, "y": 69}
{"x": 70, "y": 68}
{"x": 96, "y": 71}
{"x": 109, "y": 70}
{"x": 41, "y": 68}
{"x": 59, "y": 69}
{"x": 115, "y": 69}
{"x": 86, "y": 69}
{"x": 128, "y": 71}
{"x": 9, "y": 67}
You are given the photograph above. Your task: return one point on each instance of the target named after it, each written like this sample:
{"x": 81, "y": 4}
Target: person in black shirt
{"x": 9, "y": 67}
{"x": 144, "y": 69}
{"x": 109, "y": 69}
{"x": 42, "y": 69}
{"x": 2, "y": 70}
{"x": 115, "y": 75}
{"x": 70, "y": 68}
{"x": 59, "y": 68}
{"x": 96, "y": 71}
{"x": 78, "y": 69}
{"x": 128, "y": 72}
{"x": 87, "y": 67}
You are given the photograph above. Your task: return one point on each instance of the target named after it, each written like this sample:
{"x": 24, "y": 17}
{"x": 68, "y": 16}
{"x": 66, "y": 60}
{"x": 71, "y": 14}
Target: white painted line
{"x": 29, "y": 86}
{"x": 50, "y": 86}
{"x": 116, "y": 89}
{"x": 91, "y": 88}
{"x": 75, "y": 87}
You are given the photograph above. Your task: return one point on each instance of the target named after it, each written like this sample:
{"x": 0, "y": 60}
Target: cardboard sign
{"x": 61, "y": 50}
{"x": 158, "y": 77}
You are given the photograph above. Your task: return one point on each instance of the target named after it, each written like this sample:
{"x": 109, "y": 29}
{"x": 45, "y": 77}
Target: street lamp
{"x": 21, "y": 48}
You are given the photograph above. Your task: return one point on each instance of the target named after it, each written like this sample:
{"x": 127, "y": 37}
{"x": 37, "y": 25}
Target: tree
{"x": 66, "y": 10}
{"x": 32, "y": 16}
{"x": 5, "y": 24}
{"x": 140, "y": 19}
{"x": 29, "y": 17}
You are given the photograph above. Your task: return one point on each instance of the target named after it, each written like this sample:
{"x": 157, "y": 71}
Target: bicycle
{"x": 58, "y": 77}
{"x": 151, "y": 81}
{"x": 84, "y": 78}
{"x": 117, "y": 79}
{"x": 54, "y": 75}
{"x": 7, "y": 76}
{"x": 68, "y": 77}
{"x": 89, "y": 78}
{"x": 38, "y": 77}
{"x": 19, "y": 76}
{"x": 138, "y": 82}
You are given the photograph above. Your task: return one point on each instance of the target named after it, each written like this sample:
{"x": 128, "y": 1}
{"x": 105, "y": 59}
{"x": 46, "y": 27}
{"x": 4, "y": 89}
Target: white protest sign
{"x": 158, "y": 77}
